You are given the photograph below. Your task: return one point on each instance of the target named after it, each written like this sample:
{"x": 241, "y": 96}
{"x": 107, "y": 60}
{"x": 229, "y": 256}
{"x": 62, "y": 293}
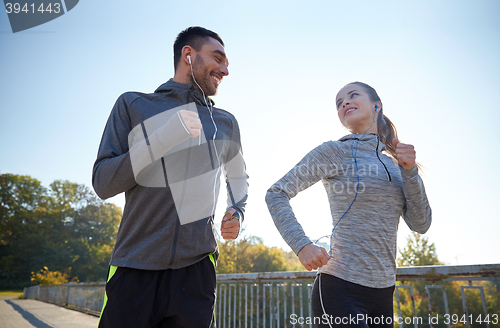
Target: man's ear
{"x": 187, "y": 51}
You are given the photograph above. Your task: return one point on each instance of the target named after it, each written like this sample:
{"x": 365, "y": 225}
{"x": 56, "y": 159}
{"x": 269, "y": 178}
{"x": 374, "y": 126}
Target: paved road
{"x": 17, "y": 313}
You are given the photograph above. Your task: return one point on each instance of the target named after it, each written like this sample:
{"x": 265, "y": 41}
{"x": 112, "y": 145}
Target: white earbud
{"x": 189, "y": 59}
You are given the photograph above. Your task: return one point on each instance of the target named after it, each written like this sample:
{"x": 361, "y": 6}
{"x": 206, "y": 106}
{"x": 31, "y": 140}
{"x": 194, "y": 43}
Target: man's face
{"x": 210, "y": 66}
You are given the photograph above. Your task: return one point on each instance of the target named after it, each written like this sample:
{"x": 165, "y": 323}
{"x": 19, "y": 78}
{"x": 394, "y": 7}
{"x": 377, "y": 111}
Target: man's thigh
{"x": 192, "y": 298}
{"x": 130, "y": 298}
{"x": 182, "y": 297}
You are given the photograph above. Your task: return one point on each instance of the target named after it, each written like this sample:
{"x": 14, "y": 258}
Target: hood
{"x": 183, "y": 92}
{"x": 372, "y": 139}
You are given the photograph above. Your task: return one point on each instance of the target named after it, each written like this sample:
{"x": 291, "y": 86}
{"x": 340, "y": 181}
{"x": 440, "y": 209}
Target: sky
{"x": 435, "y": 65}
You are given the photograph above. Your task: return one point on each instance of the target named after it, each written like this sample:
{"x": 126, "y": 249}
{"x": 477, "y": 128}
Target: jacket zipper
{"x": 174, "y": 244}
{"x": 385, "y": 167}
{"x": 177, "y": 224}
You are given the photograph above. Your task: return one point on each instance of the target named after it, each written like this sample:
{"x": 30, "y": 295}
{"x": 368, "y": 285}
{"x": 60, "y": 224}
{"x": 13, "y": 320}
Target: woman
{"x": 368, "y": 191}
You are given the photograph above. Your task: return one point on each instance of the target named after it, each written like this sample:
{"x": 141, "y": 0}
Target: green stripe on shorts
{"x": 112, "y": 271}
{"x": 212, "y": 258}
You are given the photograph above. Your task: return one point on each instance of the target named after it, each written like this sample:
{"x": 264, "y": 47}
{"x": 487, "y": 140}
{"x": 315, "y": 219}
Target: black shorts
{"x": 167, "y": 298}
{"x": 350, "y": 305}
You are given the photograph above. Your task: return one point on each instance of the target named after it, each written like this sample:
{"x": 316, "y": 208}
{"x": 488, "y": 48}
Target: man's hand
{"x": 230, "y": 227}
{"x": 191, "y": 121}
{"x": 406, "y": 154}
{"x": 313, "y": 256}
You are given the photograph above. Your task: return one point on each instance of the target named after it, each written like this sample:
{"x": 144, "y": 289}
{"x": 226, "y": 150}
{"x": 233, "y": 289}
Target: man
{"x": 166, "y": 151}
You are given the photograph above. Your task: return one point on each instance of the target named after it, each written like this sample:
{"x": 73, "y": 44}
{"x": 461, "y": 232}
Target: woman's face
{"x": 355, "y": 109}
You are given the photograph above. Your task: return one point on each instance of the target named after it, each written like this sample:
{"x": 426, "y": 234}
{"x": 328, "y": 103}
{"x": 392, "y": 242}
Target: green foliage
{"x": 418, "y": 252}
{"x": 18, "y": 293}
{"x": 47, "y": 277}
{"x": 65, "y": 227}
{"x": 455, "y": 306}
{"x": 249, "y": 254}
{"x": 293, "y": 262}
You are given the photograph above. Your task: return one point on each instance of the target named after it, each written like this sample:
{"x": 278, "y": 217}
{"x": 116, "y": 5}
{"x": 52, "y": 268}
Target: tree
{"x": 23, "y": 206}
{"x": 418, "y": 252}
{"x": 90, "y": 227}
{"x": 65, "y": 227}
{"x": 47, "y": 277}
{"x": 249, "y": 254}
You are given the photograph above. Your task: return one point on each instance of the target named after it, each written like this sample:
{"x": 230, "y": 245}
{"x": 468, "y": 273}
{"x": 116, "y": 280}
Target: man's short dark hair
{"x": 194, "y": 36}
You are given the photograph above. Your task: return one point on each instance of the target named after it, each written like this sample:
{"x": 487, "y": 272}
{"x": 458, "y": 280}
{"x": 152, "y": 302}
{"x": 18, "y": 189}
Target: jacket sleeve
{"x": 126, "y": 153}
{"x": 235, "y": 173}
{"x": 321, "y": 162}
{"x": 417, "y": 212}
{"x": 112, "y": 172}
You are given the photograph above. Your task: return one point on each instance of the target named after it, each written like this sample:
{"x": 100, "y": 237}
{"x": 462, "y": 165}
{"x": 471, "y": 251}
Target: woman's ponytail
{"x": 387, "y": 131}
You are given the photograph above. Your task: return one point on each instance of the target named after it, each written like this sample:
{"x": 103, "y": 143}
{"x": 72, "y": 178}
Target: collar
{"x": 184, "y": 92}
{"x": 370, "y": 138}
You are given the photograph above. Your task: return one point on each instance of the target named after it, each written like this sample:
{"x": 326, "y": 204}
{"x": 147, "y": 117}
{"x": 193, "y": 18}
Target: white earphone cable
{"x": 210, "y": 110}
